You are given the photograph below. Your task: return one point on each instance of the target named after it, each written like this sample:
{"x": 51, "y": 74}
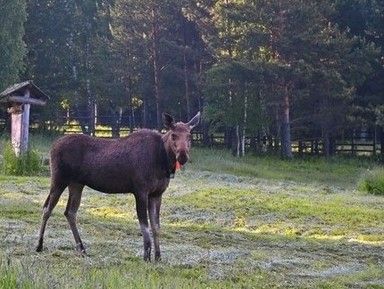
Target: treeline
{"x": 280, "y": 69}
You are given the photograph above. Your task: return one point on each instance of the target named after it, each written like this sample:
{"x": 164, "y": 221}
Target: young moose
{"x": 141, "y": 163}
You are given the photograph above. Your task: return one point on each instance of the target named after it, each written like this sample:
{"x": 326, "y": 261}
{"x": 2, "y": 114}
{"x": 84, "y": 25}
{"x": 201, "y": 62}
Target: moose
{"x": 141, "y": 163}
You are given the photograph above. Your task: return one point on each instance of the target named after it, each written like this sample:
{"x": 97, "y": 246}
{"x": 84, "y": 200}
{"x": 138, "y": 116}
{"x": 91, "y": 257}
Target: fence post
{"x": 332, "y": 146}
{"x": 374, "y": 140}
{"x": 353, "y": 143}
{"x": 300, "y": 148}
{"x": 312, "y": 147}
{"x": 316, "y": 147}
{"x": 381, "y": 130}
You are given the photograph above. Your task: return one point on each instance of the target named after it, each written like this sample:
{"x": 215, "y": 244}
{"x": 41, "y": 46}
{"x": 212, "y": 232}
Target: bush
{"x": 27, "y": 164}
{"x": 373, "y": 182}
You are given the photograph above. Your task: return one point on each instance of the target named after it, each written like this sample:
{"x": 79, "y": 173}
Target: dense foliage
{"x": 279, "y": 69}
{"x": 12, "y": 46}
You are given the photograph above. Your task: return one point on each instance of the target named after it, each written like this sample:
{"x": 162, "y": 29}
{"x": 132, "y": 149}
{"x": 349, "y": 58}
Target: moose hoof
{"x": 81, "y": 250}
{"x": 147, "y": 255}
{"x": 39, "y": 247}
{"x": 82, "y": 253}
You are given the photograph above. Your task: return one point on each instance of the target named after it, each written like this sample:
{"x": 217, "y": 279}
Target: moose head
{"x": 179, "y": 136}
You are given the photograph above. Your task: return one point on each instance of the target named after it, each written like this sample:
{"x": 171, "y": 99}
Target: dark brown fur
{"x": 141, "y": 164}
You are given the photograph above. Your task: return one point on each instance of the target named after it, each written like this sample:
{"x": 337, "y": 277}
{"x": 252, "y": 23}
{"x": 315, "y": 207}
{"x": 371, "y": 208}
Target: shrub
{"x": 373, "y": 182}
{"x": 26, "y": 164}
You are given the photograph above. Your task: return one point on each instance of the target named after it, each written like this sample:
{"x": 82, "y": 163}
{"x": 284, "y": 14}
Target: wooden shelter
{"x": 19, "y": 98}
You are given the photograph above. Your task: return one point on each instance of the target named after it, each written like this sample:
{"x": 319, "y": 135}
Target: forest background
{"x": 273, "y": 69}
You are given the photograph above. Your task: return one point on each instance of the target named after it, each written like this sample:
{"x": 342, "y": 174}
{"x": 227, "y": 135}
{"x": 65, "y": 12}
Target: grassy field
{"x": 258, "y": 222}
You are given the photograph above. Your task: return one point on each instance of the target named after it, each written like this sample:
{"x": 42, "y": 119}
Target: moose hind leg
{"x": 49, "y": 205}
{"x": 142, "y": 214}
{"x": 75, "y": 191}
{"x": 154, "y": 212}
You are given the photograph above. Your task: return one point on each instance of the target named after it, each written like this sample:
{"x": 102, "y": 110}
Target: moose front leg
{"x": 154, "y": 212}
{"x": 142, "y": 209}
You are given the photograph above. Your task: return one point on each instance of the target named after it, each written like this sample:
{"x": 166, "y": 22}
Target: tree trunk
{"x": 90, "y": 97}
{"x": 185, "y": 64}
{"x": 374, "y": 140}
{"x": 276, "y": 134}
{"x": 116, "y": 113}
{"x": 228, "y": 135}
{"x": 285, "y": 128}
{"x": 186, "y": 82}
{"x": 91, "y": 108}
{"x": 255, "y": 143}
{"x": 300, "y": 148}
{"x": 381, "y": 134}
{"x": 244, "y": 125}
{"x": 128, "y": 90}
{"x": 145, "y": 114}
{"x": 233, "y": 140}
{"x": 238, "y": 141}
{"x": 206, "y": 138}
{"x": 131, "y": 120}
{"x": 82, "y": 119}
{"x": 326, "y": 143}
{"x": 156, "y": 67}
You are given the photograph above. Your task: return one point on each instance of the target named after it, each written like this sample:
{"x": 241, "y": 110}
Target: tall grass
{"x": 26, "y": 164}
{"x": 373, "y": 182}
{"x": 11, "y": 277}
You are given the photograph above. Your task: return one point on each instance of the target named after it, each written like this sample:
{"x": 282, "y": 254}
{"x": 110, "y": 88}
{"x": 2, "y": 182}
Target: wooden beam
{"x": 20, "y": 125}
{"x": 25, "y": 123}
{"x": 24, "y": 100}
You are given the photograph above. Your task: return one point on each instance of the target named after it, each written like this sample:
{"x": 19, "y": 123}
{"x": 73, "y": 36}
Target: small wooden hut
{"x": 19, "y": 98}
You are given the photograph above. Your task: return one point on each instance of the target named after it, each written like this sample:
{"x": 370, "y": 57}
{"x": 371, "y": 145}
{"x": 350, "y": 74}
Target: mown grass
{"x": 257, "y": 222}
{"x": 310, "y": 215}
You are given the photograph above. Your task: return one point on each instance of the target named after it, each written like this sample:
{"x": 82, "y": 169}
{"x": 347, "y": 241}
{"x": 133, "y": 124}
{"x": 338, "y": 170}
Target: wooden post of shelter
{"x": 19, "y": 98}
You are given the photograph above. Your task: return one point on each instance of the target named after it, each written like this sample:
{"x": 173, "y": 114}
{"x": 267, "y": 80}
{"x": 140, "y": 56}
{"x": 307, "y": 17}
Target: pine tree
{"x": 65, "y": 40}
{"x": 302, "y": 54}
{"x": 12, "y": 46}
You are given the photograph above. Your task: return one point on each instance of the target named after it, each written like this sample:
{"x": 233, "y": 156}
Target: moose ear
{"x": 168, "y": 121}
{"x": 194, "y": 121}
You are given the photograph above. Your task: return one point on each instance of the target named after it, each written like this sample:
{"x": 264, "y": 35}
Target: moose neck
{"x": 170, "y": 153}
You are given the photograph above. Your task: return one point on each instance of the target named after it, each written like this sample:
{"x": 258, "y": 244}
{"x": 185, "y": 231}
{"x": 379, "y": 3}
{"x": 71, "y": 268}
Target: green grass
{"x": 332, "y": 171}
{"x": 257, "y": 222}
{"x": 127, "y": 274}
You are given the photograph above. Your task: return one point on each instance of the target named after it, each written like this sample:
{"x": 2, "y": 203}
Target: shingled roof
{"x": 19, "y": 88}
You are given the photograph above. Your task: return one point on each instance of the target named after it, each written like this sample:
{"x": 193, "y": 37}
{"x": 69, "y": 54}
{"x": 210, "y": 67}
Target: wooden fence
{"x": 352, "y": 146}
{"x": 315, "y": 146}
{"x": 367, "y": 146}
